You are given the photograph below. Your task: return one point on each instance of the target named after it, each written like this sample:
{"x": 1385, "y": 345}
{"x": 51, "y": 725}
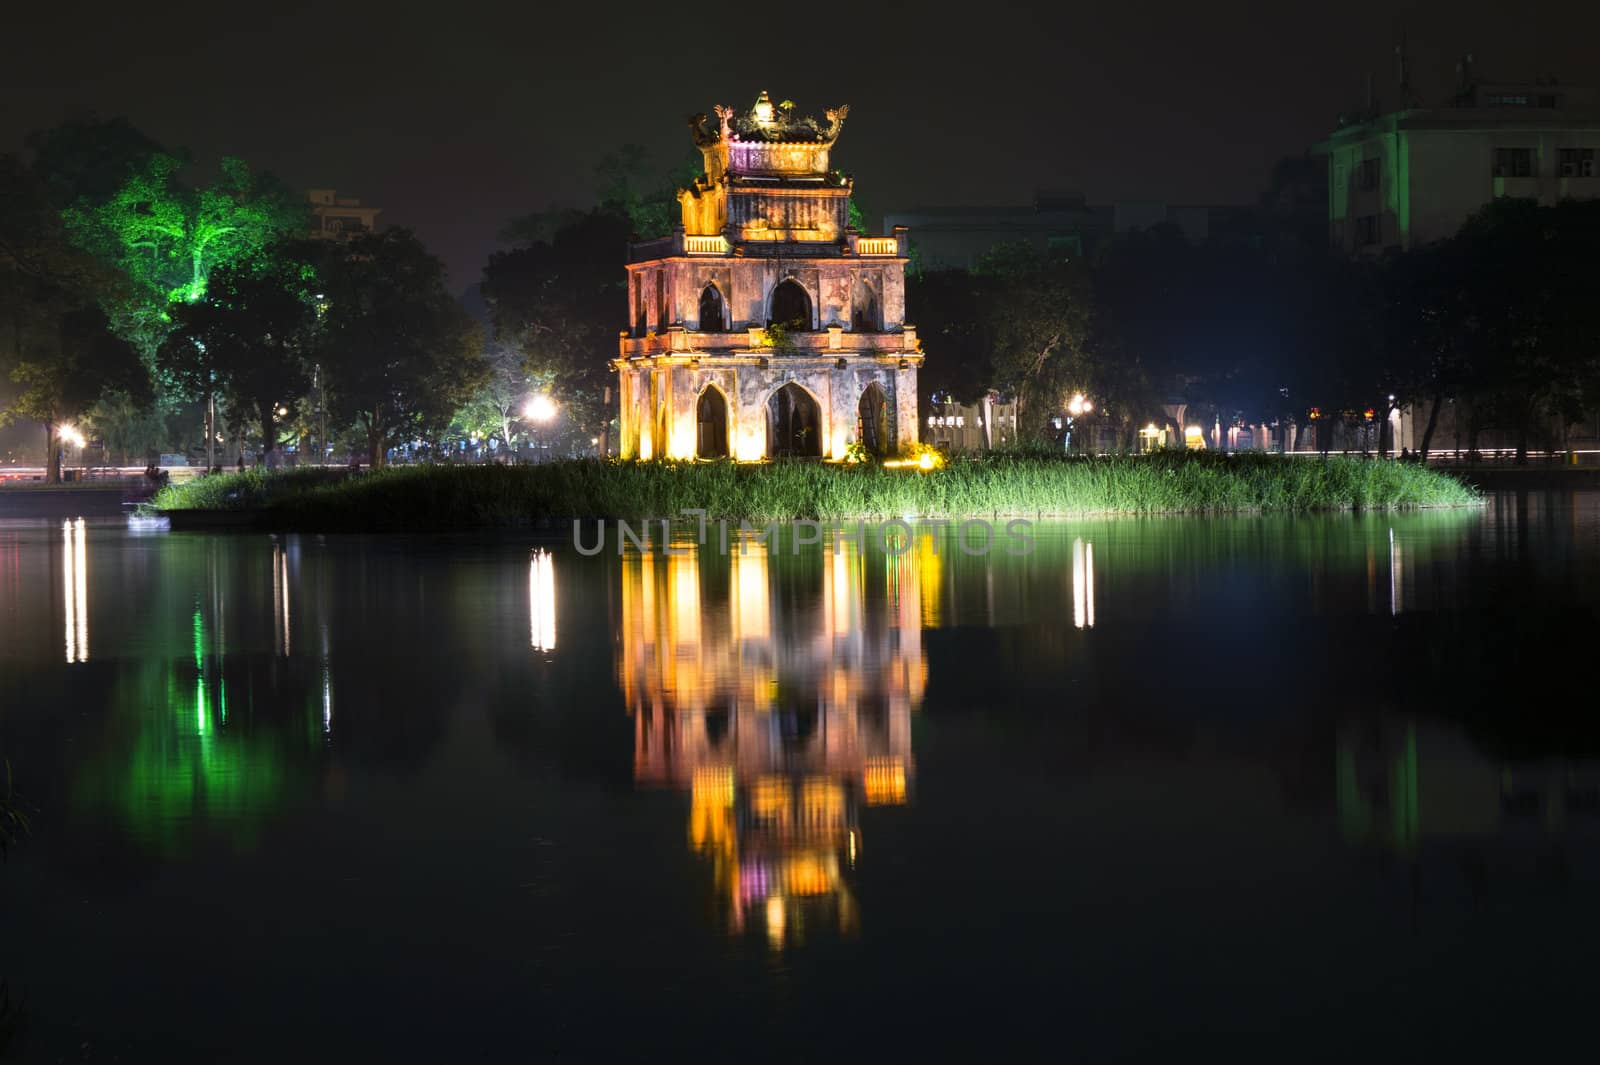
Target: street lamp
{"x": 539, "y": 408}
{"x": 1077, "y": 406}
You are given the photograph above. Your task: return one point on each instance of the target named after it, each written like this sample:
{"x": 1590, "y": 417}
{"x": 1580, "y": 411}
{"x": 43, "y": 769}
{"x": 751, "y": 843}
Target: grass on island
{"x": 451, "y": 498}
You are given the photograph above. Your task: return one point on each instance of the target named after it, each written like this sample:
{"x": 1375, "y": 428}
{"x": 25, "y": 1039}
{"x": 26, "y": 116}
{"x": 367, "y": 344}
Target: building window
{"x": 1511, "y": 100}
{"x": 1513, "y": 162}
{"x": 1577, "y": 162}
{"x": 1367, "y": 230}
{"x": 1367, "y": 174}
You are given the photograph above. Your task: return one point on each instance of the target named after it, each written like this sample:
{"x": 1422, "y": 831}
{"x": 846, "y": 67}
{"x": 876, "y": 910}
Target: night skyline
{"x": 507, "y": 113}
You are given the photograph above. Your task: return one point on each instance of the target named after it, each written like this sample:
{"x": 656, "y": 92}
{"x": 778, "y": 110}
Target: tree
{"x": 70, "y": 359}
{"x": 170, "y": 237}
{"x": 650, "y": 204}
{"x": 1038, "y": 314}
{"x": 128, "y": 425}
{"x": 54, "y": 343}
{"x": 948, "y": 309}
{"x": 86, "y": 159}
{"x": 247, "y": 339}
{"x": 1530, "y": 319}
{"x": 560, "y": 302}
{"x": 401, "y": 355}
{"x": 493, "y": 409}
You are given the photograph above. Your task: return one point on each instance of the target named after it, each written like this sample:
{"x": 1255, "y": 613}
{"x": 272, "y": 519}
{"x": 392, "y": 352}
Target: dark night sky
{"x": 455, "y": 117}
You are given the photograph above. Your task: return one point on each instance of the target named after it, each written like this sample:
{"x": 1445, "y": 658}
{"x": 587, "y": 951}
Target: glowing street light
{"x": 540, "y": 408}
{"x": 1077, "y": 406}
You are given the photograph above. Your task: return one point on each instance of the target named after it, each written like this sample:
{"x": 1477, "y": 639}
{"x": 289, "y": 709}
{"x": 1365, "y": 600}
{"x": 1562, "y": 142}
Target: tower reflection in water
{"x": 777, "y": 689}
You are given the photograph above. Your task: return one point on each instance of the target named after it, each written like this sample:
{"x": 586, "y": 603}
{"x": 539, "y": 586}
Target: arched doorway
{"x": 791, "y": 307}
{"x": 711, "y": 424}
{"x": 713, "y": 312}
{"x": 794, "y": 424}
{"x": 864, "y": 314}
{"x": 872, "y": 421}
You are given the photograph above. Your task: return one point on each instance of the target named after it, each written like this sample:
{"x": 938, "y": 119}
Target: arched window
{"x": 791, "y": 307}
{"x": 872, "y": 426}
{"x": 713, "y": 315}
{"x": 794, "y": 424}
{"x": 662, "y": 321}
{"x": 711, "y": 424}
{"x": 864, "y": 314}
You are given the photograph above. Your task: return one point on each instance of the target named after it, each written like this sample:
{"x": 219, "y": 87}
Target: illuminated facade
{"x": 781, "y": 708}
{"x": 765, "y": 325}
{"x": 1413, "y": 176}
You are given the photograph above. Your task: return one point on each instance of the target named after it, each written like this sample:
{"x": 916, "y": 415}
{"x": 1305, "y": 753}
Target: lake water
{"x": 1314, "y": 786}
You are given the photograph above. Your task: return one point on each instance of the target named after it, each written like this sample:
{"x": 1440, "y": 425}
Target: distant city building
{"x": 957, "y": 238}
{"x": 338, "y": 217}
{"x": 1402, "y": 179}
{"x": 1408, "y": 177}
{"x": 764, "y": 325}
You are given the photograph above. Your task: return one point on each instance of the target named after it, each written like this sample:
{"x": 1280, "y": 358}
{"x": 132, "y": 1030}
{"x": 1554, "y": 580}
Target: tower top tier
{"x": 769, "y": 140}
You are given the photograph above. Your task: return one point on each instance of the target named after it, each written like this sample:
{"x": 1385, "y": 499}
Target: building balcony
{"x": 769, "y": 243}
{"x": 717, "y": 245}
{"x": 877, "y": 245}
{"x": 752, "y": 342}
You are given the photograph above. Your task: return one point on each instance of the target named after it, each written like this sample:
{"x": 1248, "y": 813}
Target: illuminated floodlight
{"x": 70, "y": 435}
{"x": 540, "y": 408}
{"x": 1079, "y": 405}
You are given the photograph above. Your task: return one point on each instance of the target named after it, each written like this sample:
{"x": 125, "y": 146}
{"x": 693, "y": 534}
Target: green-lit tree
{"x": 168, "y": 238}
{"x": 401, "y": 354}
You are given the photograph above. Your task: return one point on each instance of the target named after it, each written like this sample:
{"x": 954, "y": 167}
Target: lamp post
{"x": 1077, "y": 406}
{"x": 539, "y": 409}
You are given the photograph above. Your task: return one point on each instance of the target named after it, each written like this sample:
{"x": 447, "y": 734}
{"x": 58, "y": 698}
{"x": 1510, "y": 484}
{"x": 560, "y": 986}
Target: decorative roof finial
{"x": 762, "y": 111}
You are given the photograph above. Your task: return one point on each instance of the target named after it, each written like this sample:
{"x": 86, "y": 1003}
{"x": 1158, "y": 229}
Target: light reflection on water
{"x": 781, "y": 710}
{"x": 809, "y": 758}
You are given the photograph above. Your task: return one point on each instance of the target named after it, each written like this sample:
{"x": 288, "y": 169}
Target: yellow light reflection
{"x": 1396, "y": 575}
{"x": 280, "y": 600}
{"x": 1082, "y": 585}
{"x": 779, "y": 694}
{"x": 884, "y": 782}
{"x": 542, "y": 601}
{"x": 75, "y": 589}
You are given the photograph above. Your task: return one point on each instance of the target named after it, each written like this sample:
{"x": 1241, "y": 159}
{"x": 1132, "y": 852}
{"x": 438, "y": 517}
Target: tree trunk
{"x": 605, "y": 423}
{"x": 269, "y": 434}
{"x": 52, "y": 455}
{"x": 211, "y": 430}
{"x": 1433, "y": 422}
{"x": 375, "y": 449}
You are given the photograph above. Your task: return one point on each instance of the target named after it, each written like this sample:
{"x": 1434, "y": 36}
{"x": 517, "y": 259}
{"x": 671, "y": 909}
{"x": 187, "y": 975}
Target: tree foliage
{"x": 56, "y": 345}
{"x": 249, "y": 339}
{"x": 560, "y": 303}
{"x": 401, "y": 355}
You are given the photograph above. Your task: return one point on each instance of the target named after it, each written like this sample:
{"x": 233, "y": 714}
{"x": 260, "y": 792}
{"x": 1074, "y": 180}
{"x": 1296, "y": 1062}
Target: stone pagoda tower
{"x": 764, "y": 326}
